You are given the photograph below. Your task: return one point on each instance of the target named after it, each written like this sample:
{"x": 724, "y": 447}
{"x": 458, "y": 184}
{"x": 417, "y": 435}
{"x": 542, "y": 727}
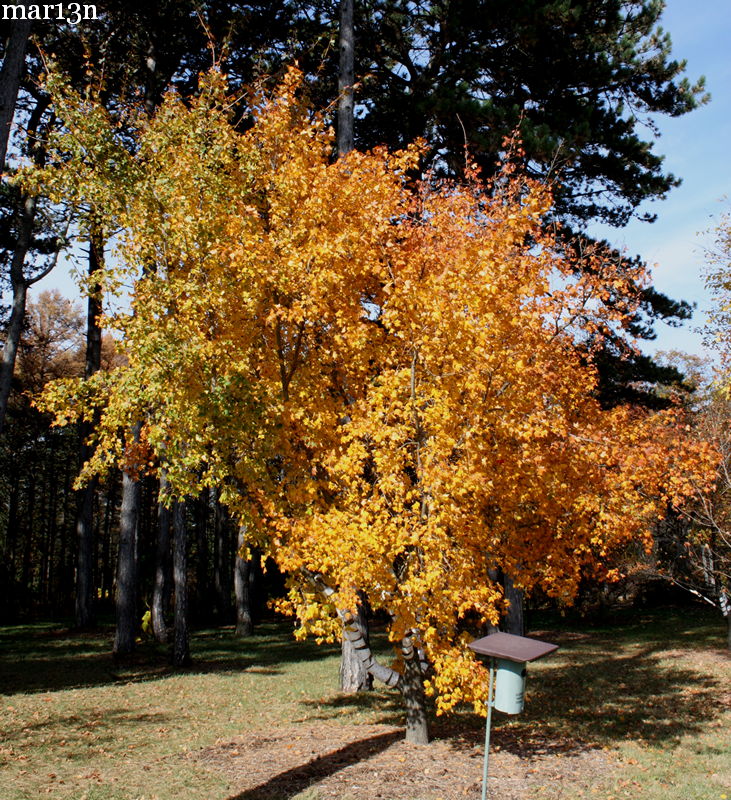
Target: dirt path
{"x": 372, "y": 761}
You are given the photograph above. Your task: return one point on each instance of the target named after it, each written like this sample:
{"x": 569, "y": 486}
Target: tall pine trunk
{"x": 10, "y": 76}
{"x": 19, "y": 283}
{"x": 66, "y": 585}
{"x": 242, "y": 588}
{"x": 51, "y": 517}
{"x": 221, "y": 581}
{"x": 19, "y": 286}
{"x": 110, "y": 506}
{"x": 204, "y": 601}
{"x": 161, "y": 589}
{"x": 126, "y": 595}
{"x": 181, "y": 646}
{"x": 85, "y": 511}
{"x": 84, "y": 600}
{"x": 29, "y": 545}
{"x": 11, "y": 530}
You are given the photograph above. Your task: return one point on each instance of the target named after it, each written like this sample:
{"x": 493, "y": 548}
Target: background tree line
{"x": 39, "y": 505}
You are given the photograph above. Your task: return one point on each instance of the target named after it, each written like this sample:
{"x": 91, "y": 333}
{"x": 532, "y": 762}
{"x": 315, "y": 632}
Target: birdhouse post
{"x": 509, "y": 656}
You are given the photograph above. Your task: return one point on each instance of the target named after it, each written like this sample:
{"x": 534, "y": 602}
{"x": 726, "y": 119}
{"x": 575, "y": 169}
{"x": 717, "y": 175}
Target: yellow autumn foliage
{"x": 390, "y": 379}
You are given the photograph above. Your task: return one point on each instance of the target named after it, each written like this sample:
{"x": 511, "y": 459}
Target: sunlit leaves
{"x": 390, "y": 380}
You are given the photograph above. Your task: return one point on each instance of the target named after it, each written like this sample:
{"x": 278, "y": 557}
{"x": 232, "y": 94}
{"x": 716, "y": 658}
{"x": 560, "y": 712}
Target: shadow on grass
{"x": 293, "y": 781}
{"x": 582, "y": 706}
{"x": 42, "y": 657}
{"x": 633, "y": 680}
{"x": 604, "y": 685}
{"x": 383, "y": 706}
{"x": 605, "y": 698}
{"x": 95, "y": 728}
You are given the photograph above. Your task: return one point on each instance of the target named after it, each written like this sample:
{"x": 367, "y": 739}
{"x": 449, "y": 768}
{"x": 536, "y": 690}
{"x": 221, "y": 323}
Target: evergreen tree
{"x": 577, "y": 81}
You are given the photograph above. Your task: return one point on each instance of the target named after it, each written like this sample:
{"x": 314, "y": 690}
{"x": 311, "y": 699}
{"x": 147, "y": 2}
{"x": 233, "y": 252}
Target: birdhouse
{"x": 511, "y": 655}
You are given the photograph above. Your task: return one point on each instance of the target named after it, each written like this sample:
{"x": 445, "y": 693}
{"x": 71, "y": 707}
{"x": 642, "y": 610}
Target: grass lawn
{"x": 639, "y": 709}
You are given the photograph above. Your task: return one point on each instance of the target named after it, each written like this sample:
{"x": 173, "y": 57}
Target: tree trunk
{"x": 220, "y": 557}
{"x": 126, "y": 596}
{"x": 514, "y": 618}
{"x": 11, "y": 531}
{"x": 412, "y": 690}
{"x": 43, "y": 518}
{"x": 17, "y": 315}
{"x": 52, "y": 488}
{"x": 107, "y": 574}
{"x": 161, "y": 590}
{"x": 18, "y": 281}
{"x": 68, "y": 549}
{"x": 354, "y": 677}
{"x": 151, "y": 79}
{"x": 181, "y": 646}
{"x": 10, "y": 76}
{"x": 725, "y": 603}
{"x": 29, "y": 545}
{"x": 84, "y": 605}
{"x": 386, "y": 675}
{"x": 346, "y": 79}
{"x": 85, "y": 511}
{"x": 203, "y": 600}
{"x": 242, "y": 570}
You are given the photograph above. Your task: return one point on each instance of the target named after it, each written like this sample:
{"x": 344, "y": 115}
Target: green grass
{"x": 653, "y": 690}
{"x": 75, "y": 724}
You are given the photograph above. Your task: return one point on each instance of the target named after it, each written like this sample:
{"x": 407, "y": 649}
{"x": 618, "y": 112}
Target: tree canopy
{"x": 391, "y": 381}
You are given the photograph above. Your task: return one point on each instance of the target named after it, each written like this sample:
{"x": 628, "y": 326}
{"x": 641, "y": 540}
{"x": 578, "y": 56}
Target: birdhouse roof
{"x": 511, "y": 647}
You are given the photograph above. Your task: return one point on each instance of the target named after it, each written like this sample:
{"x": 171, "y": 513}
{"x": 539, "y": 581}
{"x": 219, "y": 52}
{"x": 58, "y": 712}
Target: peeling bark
{"x": 346, "y": 78}
{"x": 362, "y": 651}
{"x": 351, "y": 630}
{"x": 412, "y": 690}
{"x": 354, "y": 675}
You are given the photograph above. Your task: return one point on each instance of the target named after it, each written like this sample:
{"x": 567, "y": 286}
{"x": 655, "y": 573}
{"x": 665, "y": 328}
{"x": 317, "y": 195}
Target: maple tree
{"x": 389, "y": 381}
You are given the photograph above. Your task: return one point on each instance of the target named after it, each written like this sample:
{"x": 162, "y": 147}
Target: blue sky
{"x": 696, "y": 148}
